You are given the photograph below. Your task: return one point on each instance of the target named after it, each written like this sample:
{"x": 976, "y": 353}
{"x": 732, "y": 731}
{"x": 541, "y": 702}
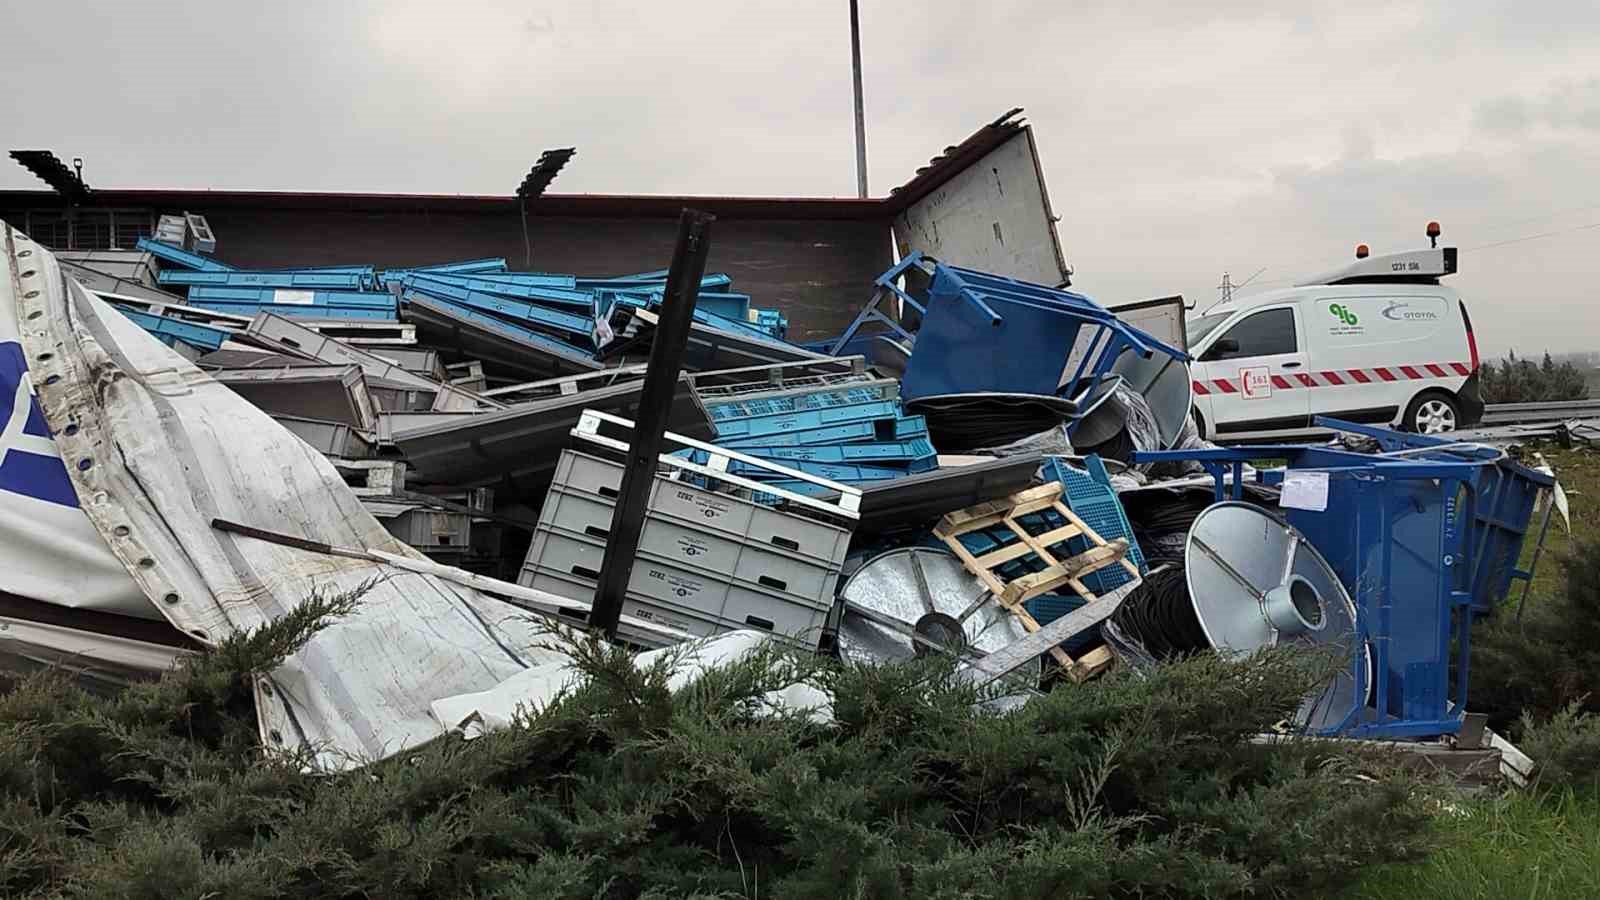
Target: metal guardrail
{"x": 1559, "y": 411}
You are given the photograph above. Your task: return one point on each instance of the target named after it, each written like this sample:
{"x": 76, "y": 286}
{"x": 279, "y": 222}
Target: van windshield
{"x": 1200, "y": 326}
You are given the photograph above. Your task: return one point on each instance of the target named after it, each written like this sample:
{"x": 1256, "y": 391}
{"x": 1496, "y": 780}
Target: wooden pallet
{"x": 1057, "y": 572}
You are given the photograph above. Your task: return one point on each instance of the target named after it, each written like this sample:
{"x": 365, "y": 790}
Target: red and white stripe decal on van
{"x": 1341, "y": 377}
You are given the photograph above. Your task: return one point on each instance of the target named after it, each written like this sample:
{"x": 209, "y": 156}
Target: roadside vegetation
{"x": 1521, "y": 380}
{"x": 1126, "y": 787}
{"x": 1538, "y": 678}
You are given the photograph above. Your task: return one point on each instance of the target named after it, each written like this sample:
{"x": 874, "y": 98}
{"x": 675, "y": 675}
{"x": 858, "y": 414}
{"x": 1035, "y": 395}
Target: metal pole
{"x": 861, "y": 116}
{"x": 527, "y": 246}
{"x": 655, "y": 405}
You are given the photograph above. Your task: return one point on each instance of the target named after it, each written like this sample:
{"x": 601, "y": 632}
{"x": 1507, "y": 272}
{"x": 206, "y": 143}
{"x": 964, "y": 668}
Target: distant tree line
{"x": 1515, "y": 380}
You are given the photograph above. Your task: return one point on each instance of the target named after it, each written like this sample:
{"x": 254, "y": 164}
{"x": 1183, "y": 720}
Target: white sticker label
{"x": 1256, "y": 383}
{"x": 1305, "y": 490}
{"x": 300, "y": 298}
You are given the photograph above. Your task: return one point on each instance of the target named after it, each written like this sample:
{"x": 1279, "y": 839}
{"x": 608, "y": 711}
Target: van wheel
{"x": 1432, "y": 413}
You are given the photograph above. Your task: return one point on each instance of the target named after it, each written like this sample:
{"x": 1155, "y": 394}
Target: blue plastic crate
{"x": 832, "y": 434}
{"x": 908, "y": 427}
{"x": 808, "y": 420}
{"x": 776, "y": 406}
{"x": 1050, "y": 607}
{"x": 1090, "y": 496}
{"x": 914, "y": 455}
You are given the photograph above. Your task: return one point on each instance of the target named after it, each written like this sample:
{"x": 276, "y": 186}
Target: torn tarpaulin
{"x": 159, "y": 450}
{"x": 531, "y": 691}
{"x": 1140, "y": 431}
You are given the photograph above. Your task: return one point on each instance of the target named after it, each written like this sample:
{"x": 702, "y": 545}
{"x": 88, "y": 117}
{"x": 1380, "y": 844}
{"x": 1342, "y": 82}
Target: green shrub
{"x": 1565, "y": 748}
{"x": 1551, "y": 658}
{"x": 1520, "y": 381}
{"x": 922, "y": 786}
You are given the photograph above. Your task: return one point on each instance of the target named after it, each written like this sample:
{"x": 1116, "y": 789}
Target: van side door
{"x": 1252, "y": 370}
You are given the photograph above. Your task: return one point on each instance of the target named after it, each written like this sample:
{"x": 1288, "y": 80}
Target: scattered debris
{"x": 454, "y": 438}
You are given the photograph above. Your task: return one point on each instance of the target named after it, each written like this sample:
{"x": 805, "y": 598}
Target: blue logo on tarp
{"x": 28, "y": 463}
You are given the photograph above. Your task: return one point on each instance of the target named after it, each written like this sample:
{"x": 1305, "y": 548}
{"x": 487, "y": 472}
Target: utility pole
{"x": 1226, "y": 287}
{"x": 861, "y": 116}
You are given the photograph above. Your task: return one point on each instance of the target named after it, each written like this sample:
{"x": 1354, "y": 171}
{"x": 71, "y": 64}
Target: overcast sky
{"x": 1179, "y": 139}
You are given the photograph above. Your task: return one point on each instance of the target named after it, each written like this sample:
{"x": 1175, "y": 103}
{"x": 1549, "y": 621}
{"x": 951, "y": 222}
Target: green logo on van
{"x": 1342, "y": 314}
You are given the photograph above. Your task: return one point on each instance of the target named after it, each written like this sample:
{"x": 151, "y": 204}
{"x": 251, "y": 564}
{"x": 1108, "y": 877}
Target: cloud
{"x": 1567, "y": 105}
{"x": 1178, "y": 139}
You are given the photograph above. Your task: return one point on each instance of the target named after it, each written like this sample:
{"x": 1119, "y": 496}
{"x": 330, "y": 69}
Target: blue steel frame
{"x": 1112, "y": 336}
{"x": 870, "y": 313}
{"x": 181, "y": 257}
{"x": 1117, "y": 334}
{"x": 203, "y": 337}
{"x": 1484, "y": 505}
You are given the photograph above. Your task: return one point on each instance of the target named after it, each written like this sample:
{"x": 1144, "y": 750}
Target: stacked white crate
{"x": 709, "y": 561}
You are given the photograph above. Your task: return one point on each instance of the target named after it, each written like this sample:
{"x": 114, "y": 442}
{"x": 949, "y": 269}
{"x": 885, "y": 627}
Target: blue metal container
{"x": 777, "y": 406}
{"x": 1424, "y": 538}
{"x": 984, "y": 333}
{"x": 808, "y": 420}
{"x": 531, "y": 315}
{"x": 203, "y": 337}
{"x": 178, "y": 256}
{"x": 328, "y": 281}
{"x": 552, "y": 290}
{"x": 299, "y": 311}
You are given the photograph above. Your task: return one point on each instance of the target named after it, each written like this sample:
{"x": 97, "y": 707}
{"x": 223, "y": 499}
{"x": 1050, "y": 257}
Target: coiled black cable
{"x": 1162, "y": 529}
{"x": 1160, "y": 617}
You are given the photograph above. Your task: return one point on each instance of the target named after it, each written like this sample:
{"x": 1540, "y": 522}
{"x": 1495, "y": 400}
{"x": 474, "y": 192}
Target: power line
{"x": 1516, "y": 240}
{"x": 1535, "y": 237}
{"x": 1524, "y": 221}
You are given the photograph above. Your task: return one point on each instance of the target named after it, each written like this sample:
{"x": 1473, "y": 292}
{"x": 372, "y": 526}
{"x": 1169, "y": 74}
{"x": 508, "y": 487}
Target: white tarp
{"x": 49, "y": 550}
{"x": 158, "y": 450}
{"x": 532, "y": 690}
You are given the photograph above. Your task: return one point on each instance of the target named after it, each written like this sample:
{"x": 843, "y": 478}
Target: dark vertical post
{"x": 655, "y": 405}
{"x": 861, "y": 115}
{"x": 527, "y": 245}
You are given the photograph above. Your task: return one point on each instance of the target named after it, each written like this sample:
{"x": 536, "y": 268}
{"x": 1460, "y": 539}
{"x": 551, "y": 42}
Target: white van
{"x": 1381, "y": 342}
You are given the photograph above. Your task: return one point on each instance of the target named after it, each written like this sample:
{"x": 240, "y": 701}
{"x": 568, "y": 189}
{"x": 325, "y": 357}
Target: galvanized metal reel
{"x": 1256, "y": 582}
{"x": 908, "y": 602}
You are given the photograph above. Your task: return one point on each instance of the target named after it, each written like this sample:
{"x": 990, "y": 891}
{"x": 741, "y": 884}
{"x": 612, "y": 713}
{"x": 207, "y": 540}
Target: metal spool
{"x": 1098, "y": 418}
{"x": 925, "y": 592}
{"x": 1163, "y": 381}
{"x": 1256, "y": 582}
{"x": 1166, "y": 386}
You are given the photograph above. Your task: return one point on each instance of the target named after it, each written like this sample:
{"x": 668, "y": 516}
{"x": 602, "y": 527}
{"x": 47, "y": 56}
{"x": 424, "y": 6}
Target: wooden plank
{"x": 1091, "y": 664}
{"x": 1003, "y": 555}
{"x": 1023, "y": 547}
{"x": 1065, "y": 533}
{"x": 989, "y": 579}
{"x": 1011, "y": 596}
{"x": 994, "y": 511}
{"x": 1033, "y": 584}
{"x": 1039, "y": 550}
{"x": 1094, "y": 536}
{"x": 997, "y": 588}
{"x": 1013, "y": 656}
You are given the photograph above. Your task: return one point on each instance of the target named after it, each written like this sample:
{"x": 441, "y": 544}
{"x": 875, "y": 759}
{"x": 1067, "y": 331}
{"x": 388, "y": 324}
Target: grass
{"x": 1519, "y": 844}
{"x": 1579, "y": 474}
